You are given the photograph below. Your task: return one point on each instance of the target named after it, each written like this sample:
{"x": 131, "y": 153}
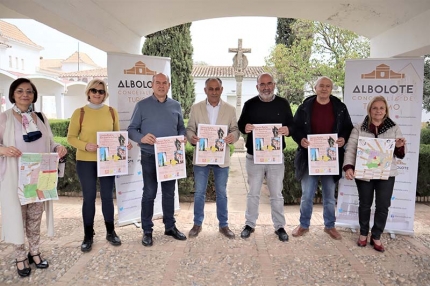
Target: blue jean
{"x": 383, "y": 191}
{"x": 87, "y": 173}
{"x": 150, "y": 186}
{"x": 309, "y": 186}
{"x": 201, "y": 175}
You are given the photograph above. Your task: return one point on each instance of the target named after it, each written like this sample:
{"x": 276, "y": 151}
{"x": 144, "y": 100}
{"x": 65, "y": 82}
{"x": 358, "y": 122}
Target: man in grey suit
{"x": 213, "y": 110}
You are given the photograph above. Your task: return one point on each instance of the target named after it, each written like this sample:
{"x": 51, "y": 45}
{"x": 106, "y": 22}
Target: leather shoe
{"x": 299, "y": 231}
{"x": 147, "y": 239}
{"x": 194, "y": 232}
{"x": 175, "y": 233}
{"x": 283, "y": 236}
{"x": 113, "y": 238}
{"x": 379, "y": 248}
{"x": 333, "y": 233}
{"x": 42, "y": 263}
{"x": 362, "y": 243}
{"x": 227, "y": 232}
{"x": 25, "y": 271}
{"x": 246, "y": 232}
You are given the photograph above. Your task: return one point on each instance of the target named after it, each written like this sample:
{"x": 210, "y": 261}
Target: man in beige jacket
{"x": 214, "y": 111}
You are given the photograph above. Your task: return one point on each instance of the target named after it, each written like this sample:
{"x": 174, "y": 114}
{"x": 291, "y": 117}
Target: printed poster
{"x": 130, "y": 80}
{"x": 400, "y": 81}
{"x": 267, "y": 144}
{"x": 170, "y": 156}
{"x": 374, "y": 157}
{"x": 323, "y": 156}
{"x": 112, "y": 153}
{"x": 210, "y": 149}
{"x": 37, "y": 177}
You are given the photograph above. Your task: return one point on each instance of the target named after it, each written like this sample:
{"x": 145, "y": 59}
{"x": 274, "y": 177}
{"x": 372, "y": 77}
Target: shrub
{"x": 425, "y": 136}
{"x": 59, "y": 127}
{"x": 291, "y": 190}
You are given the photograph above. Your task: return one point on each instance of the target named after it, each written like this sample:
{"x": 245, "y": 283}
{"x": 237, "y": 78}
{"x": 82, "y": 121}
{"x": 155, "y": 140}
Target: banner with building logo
{"x": 400, "y": 81}
{"x": 129, "y": 81}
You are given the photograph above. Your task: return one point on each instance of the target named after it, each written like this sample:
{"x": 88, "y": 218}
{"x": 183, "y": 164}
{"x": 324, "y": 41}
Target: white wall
{"x": 229, "y": 93}
{"x": 75, "y": 98}
{"x": 29, "y": 54}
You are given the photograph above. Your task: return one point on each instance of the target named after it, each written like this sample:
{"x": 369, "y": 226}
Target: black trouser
{"x": 383, "y": 190}
{"x": 87, "y": 173}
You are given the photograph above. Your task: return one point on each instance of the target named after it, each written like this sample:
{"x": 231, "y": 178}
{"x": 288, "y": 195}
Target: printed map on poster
{"x": 323, "y": 156}
{"x": 170, "y": 156}
{"x": 112, "y": 153}
{"x": 37, "y": 177}
{"x": 374, "y": 157}
{"x": 210, "y": 149}
{"x": 267, "y": 144}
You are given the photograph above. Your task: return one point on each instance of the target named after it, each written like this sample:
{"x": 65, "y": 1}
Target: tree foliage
{"x": 175, "y": 43}
{"x": 426, "y": 84}
{"x": 318, "y": 49}
{"x": 284, "y": 32}
{"x": 290, "y": 63}
{"x": 333, "y": 46}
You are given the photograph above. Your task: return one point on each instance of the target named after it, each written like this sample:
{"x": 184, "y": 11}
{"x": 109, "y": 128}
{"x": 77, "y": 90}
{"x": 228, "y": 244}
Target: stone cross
{"x": 240, "y": 62}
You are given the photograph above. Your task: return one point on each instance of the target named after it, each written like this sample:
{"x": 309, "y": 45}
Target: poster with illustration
{"x": 374, "y": 157}
{"x": 112, "y": 153}
{"x": 211, "y": 148}
{"x": 323, "y": 156}
{"x": 37, "y": 177}
{"x": 267, "y": 144}
{"x": 170, "y": 156}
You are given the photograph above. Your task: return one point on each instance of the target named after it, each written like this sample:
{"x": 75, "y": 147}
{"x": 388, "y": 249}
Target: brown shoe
{"x": 299, "y": 231}
{"x": 333, "y": 233}
{"x": 227, "y": 232}
{"x": 194, "y": 232}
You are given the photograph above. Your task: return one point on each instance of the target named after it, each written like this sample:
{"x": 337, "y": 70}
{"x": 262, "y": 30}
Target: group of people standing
{"x": 159, "y": 116}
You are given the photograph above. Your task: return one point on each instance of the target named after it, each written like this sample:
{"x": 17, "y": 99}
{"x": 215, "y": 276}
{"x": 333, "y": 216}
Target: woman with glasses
{"x": 84, "y": 125}
{"x": 23, "y": 131}
{"x": 377, "y": 124}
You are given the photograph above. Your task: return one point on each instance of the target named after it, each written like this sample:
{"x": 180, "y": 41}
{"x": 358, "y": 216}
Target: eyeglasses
{"x": 21, "y": 91}
{"x": 100, "y": 91}
{"x": 264, "y": 85}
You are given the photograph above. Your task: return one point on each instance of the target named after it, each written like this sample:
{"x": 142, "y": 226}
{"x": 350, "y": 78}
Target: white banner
{"x": 400, "y": 81}
{"x": 130, "y": 80}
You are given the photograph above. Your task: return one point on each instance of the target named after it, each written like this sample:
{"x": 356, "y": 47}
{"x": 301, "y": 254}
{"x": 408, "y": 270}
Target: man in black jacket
{"x": 322, "y": 113}
{"x": 266, "y": 108}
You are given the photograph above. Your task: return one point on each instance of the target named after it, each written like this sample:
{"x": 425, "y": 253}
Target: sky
{"x": 211, "y": 40}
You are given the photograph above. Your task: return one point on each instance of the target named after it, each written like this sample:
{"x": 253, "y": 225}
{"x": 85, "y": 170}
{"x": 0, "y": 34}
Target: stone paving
{"x": 212, "y": 259}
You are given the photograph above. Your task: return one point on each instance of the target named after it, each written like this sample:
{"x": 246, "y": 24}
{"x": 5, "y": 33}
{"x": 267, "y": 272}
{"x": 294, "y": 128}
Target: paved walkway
{"x": 211, "y": 259}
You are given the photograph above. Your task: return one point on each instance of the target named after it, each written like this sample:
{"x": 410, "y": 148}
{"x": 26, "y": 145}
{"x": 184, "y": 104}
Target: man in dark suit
{"x": 213, "y": 110}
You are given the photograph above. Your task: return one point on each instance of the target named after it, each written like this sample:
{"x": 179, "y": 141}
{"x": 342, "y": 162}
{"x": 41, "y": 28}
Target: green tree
{"x": 290, "y": 63}
{"x": 426, "y": 84}
{"x": 175, "y": 43}
{"x": 284, "y": 31}
{"x": 332, "y": 47}
{"x": 328, "y": 48}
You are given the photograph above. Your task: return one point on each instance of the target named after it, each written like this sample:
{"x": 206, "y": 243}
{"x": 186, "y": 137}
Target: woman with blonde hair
{"x": 377, "y": 124}
{"x": 84, "y": 125}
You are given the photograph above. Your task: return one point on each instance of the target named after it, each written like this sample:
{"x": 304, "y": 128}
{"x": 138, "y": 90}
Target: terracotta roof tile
{"x": 50, "y": 63}
{"x": 82, "y": 58}
{"x": 11, "y": 32}
{"x": 198, "y": 71}
{"x": 224, "y": 71}
{"x": 102, "y": 72}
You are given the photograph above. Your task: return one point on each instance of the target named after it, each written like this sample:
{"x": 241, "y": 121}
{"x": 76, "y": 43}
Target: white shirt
{"x": 212, "y": 111}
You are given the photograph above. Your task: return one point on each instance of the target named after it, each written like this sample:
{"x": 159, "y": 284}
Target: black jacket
{"x": 302, "y": 123}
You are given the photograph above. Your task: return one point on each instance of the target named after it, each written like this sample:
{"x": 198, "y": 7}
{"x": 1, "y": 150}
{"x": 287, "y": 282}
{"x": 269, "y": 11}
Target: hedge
{"x": 291, "y": 189}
